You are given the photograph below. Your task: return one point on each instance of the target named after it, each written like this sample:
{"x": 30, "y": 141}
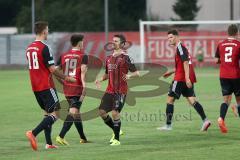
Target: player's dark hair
{"x": 232, "y": 30}
{"x": 40, "y": 26}
{"x": 121, "y": 37}
{"x": 173, "y": 32}
{"x": 76, "y": 38}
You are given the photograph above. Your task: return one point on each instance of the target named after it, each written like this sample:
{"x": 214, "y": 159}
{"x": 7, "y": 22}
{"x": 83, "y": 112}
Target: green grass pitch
{"x": 19, "y": 112}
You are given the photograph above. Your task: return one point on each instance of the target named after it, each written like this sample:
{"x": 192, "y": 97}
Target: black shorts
{"x": 74, "y": 101}
{"x": 112, "y": 102}
{"x": 230, "y": 86}
{"x": 180, "y": 88}
{"x": 48, "y": 100}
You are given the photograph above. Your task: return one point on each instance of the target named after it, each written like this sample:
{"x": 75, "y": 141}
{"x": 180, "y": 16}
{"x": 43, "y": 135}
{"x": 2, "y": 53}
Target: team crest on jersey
{"x": 112, "y": 66}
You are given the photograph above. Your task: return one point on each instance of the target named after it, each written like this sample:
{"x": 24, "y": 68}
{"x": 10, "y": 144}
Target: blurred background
{"x": 98, "y": 20}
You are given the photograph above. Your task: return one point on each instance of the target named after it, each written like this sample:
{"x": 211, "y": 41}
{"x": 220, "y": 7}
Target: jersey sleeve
{"x": 217, "y": 55}
{"x": 85, "y": 60}
{"x": 47, "y": 57}
{"x": 183, "y": 52}
{"x": 239, "y": 52}
{"x": 131, "y": 65}
{"x": 106, "y": 68}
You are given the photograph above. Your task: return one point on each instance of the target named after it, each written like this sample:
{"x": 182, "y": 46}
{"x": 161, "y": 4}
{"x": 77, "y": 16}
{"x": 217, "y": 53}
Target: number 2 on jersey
{"x": 228, "y": 54}
{"x": 71, "y": 65}
{"x": 33, "y": 60}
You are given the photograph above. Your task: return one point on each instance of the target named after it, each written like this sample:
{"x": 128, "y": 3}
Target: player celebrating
{"x": 228, "y": 55}
{"x": 183, "y": 82}
{"x": 116, "y": 71}
{"x": 74, "y": 63}
{"x": 41, "y": 66}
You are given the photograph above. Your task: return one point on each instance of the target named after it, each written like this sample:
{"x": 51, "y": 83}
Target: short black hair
{"x": 173, "y": 32}
{"x": 121, "y": 37}
{"x": 232, "y": 30}
{"x": 75, "y": 38}
{"x": 39, "y": 26}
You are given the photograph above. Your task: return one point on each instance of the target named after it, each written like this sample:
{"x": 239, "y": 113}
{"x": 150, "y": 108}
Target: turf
{"x": 20, "y": 112}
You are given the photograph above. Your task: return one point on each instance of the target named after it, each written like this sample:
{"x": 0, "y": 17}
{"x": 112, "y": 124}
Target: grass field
{"x": 20, "y": 112}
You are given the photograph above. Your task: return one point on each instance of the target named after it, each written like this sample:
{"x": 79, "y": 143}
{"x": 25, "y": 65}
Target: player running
{"x": 41, "y": 68}
{"x": 183, "y": 83}
{"x": 116, "y": 71}
{"x": 228, "y": 55}
{"x": 74, "y": 63}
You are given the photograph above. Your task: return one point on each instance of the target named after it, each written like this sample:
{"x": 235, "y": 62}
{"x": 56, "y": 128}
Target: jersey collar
{"x": 40, "y": 41}
{"x": 179, "y": 43}
{"x": 75, "y": 49}
{"x": 116, "y": 55}
{"x": 231, "y": 38}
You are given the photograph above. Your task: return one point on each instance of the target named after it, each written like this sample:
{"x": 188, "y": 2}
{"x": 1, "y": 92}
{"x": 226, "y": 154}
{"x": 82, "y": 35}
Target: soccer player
{"x": 74, "y": 63}
{"x": 228, "y": 55}
{"x": 41, "y": 68}
{"x": 116, "y": 72}
{"x": 200, "y": 56}
{"x": 183, "y": 83}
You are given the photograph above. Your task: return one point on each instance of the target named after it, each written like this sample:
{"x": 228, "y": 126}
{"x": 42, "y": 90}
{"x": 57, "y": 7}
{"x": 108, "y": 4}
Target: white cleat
{"x": 167, "y": 127}
{"x": 206, "y": 124}
{"x": 51, "y": 146}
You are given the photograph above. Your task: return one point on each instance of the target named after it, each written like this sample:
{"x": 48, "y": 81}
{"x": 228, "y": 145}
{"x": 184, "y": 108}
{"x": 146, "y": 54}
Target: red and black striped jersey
{"x": 116, "y": 68}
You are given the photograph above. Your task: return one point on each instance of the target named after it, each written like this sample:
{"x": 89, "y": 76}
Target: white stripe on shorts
{"x": 54, "y": 95}
{"x": 174, "y": 86}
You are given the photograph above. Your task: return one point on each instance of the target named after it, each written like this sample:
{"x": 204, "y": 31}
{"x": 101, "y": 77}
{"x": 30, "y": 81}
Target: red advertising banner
{"x": 159, "y": 51}
{"x": 94, "y": 42}
{"x": 156, "y": 45}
